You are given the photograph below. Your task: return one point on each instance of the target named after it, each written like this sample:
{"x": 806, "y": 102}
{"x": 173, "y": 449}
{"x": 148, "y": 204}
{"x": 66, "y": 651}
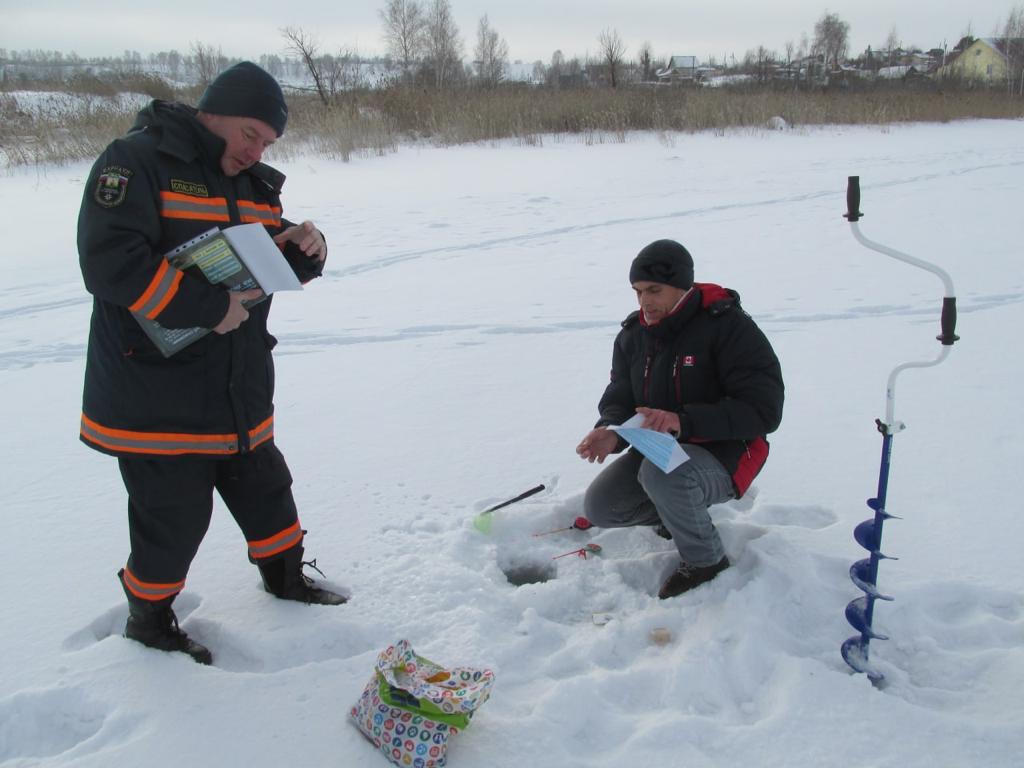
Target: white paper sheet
{"x": 661, "y": 449}
{"x": 263, "y": 258}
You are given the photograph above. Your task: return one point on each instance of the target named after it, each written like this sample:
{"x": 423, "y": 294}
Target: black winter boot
{"x": 283, "y": 578}
{"x": 155, "y": 625}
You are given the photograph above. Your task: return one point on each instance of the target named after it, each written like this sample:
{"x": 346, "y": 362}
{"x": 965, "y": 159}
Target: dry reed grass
{"x": 373, "y": 122}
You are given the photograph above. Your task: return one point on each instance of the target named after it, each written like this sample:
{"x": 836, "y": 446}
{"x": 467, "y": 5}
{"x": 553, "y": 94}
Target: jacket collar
{"x": 679, "y": 316}
{"x": 184, "y": 137}
{"x": 181, "y": 135}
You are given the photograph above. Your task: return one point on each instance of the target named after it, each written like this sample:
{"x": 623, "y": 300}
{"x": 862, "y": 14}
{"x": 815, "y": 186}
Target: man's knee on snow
{"x": 596, "y": 508}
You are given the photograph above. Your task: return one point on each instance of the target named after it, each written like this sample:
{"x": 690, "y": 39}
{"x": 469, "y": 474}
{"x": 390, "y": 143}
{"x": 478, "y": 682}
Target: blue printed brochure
{"x": 660, "y": 448}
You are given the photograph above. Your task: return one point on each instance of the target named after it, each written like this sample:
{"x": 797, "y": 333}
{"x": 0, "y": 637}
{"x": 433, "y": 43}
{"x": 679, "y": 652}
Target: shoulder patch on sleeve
{"x": 112, "y": 185}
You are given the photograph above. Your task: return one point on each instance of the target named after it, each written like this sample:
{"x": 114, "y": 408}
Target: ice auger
{"x": 864, "y": 573}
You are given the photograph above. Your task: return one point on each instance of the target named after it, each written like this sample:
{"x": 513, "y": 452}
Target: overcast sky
{"x": 533, "y": 29}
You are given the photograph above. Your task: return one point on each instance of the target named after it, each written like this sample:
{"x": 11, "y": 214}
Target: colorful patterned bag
{"x": 411, "y": 706}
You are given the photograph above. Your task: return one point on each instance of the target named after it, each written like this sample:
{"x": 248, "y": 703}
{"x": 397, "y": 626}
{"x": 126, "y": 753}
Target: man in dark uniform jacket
{"x": 694, "y": 365}
{"x": 202, "y": 419}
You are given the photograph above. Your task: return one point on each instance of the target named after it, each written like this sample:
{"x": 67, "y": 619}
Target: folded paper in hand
{"x": 661, "y": 449}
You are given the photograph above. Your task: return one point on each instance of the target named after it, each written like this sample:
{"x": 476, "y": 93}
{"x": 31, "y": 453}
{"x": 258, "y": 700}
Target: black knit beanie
{"x": 246, "y": 90}
{"x": 663, "y": 261}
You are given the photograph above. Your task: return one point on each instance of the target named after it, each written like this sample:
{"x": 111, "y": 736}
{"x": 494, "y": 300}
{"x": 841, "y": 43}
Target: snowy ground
{"x": 453, "y": 357}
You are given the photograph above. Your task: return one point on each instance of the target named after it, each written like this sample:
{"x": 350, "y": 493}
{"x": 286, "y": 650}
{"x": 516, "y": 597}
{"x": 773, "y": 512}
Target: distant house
{"x": 922, "y": 62}
{"x": 983, "y": 60}
{"x": 680, "y": 69}
{"x": 901, "y": 72}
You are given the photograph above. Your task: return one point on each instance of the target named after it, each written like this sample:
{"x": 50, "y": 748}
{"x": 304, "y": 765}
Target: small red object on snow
{"x": 579, "y": 524}
{"x": 591, "y": 549}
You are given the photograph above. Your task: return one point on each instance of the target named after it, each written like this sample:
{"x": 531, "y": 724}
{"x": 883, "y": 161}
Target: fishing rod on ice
{"x": 864, "y": 573}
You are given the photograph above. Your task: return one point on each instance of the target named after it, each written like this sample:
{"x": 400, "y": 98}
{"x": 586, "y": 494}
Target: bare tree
{"x": 645, "y": 60}
{"x": 443, "y": 44}
{"x": 760, "y": 63}
{"x": 892, "y": 44}
{"x": 273, "y": 64}
{"x": 205, "y": 62}
{"x": 305, "y": 46}
{"x": 131, "y": 63}
{"x": 556, "y": 70}
{"x": 491, "y": 54}
{"x": 341, "y": 72}
{"x": 1013, "y": 50}
{"x": 404, "y": 31}
{"x": 831, "y": 38}
{"x": 173, "y": 63}
{"x": 539, "y": 72}
{"x": 613, "y": 52}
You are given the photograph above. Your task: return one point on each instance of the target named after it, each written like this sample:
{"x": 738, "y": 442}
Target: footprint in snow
{"x": 39, "y": 724}
{"x": 111, "y": 622}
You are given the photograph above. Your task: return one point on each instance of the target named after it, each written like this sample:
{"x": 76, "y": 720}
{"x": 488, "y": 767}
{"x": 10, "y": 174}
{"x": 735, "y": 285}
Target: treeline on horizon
{"x": 425, "y": 46}
{"x": 344, "y": 105}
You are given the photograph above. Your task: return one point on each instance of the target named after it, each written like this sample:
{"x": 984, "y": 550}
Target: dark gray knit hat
{"x": 246, "y": 90}
{"x": 663, "y": 261}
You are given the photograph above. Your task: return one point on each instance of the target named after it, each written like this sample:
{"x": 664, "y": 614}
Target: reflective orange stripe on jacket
{"x": 279, "y": 542}
{"x": 159, "y": 292}
{"x": 174, "y": 205}
{"x": 170, "y": 443}
{"x": 177, "y": 206}
{"x": 253, "y": 213}
{"x": 147, "y": 590}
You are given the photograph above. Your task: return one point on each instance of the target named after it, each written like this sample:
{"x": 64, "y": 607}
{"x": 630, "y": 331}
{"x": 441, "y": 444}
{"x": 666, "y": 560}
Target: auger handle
{"x": 852, "y": 199}
{"x": 947, "y": 322}
{"x": 948, "y": 318}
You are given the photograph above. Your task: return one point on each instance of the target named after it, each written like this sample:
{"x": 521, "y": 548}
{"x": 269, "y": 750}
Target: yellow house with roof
{"x": 982, "y": 61}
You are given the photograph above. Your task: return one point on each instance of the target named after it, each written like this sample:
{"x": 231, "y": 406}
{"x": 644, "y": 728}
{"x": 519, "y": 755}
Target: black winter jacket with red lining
{"x": 709, "y": 363}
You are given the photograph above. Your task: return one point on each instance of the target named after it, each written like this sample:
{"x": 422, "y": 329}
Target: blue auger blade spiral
{"x": 860, "y": 574}
{"x": 857, "y": 611}
{"x": 864, "y": 573}
{"x": 855, "y": 653}
{"x": 869, "y": 535}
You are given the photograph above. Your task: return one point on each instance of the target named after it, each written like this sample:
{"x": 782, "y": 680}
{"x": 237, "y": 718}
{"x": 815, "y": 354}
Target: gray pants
{"x": 632, "y": 491}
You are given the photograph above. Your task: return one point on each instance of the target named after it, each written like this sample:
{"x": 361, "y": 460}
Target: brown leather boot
{"x": 687, "y": 576}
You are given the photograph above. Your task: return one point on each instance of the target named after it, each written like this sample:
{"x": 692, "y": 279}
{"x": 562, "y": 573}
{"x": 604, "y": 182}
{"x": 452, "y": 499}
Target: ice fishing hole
{"x": 521, "y": 573}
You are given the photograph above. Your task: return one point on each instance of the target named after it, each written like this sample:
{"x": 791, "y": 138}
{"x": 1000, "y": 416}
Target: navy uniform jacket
{"x": 710, "y": 363}
{"x": 150, "y": 191}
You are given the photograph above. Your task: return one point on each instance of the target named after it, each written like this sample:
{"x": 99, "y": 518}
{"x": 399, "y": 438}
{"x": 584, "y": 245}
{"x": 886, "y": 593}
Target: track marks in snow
{"x": 293, "y": 343}
{"x": 812, "y": 517}
{"x": 453, "y": 250}
{"x": 26, "y": 310}
{"x": 927, "y": 309}
{"x": 29, "y": 354}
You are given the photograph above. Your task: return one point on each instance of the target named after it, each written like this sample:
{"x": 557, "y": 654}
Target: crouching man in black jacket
{"x": 695, "y": 365}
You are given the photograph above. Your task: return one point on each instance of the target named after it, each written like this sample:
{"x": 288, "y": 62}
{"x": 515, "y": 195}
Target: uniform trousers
{"x": 170, "y": 503}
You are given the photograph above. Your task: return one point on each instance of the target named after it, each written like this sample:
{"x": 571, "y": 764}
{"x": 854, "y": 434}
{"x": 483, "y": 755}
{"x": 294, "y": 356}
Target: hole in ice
{"x": 520, "y": 572}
